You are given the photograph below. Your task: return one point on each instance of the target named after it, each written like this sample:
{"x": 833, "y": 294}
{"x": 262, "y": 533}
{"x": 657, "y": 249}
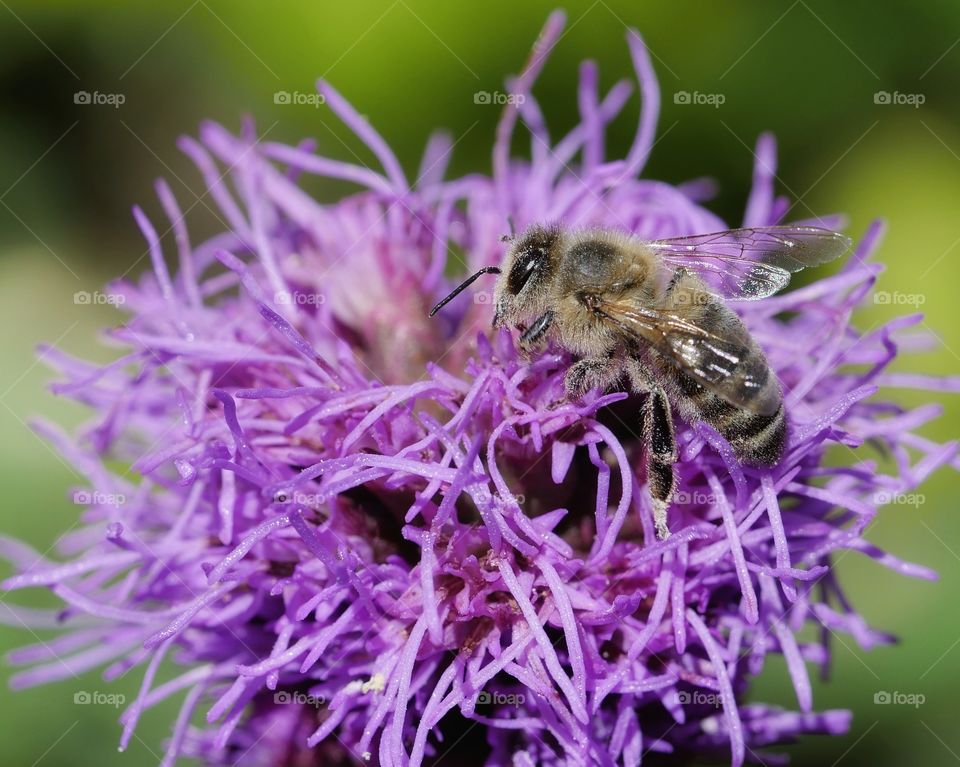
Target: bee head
{"x": 523, "y": 284}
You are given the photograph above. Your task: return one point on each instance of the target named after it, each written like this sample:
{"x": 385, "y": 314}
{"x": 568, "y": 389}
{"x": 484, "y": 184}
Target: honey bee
{"x": 655, "y": 311}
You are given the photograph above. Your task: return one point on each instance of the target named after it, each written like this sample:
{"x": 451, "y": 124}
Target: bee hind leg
{"x": 661, "y": 454}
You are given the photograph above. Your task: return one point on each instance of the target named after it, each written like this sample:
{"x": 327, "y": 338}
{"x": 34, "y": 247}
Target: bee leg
{"x": 591, "y": 373}
{"x": 640, "y": 379}
{"x": 535, "y": 333}
{"x": 661, "y": 456}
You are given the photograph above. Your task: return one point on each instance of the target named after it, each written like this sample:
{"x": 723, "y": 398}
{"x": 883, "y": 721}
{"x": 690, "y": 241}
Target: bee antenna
{"x": 463, "y": 286}
{"x": 512, "y": 236}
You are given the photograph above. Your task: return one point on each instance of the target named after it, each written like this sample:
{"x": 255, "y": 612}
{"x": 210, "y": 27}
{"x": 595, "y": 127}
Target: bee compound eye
{"x": 522, "y": 271}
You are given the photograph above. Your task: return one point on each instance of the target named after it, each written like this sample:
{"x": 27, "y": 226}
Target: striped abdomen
{"x": 757, "y": 440}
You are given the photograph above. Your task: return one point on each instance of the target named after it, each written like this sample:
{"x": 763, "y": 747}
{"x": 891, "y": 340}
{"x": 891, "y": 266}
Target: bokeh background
{"x": 810, "y": 71}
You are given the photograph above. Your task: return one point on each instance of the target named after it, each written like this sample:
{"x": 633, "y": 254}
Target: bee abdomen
{"x": 757, "y": 440}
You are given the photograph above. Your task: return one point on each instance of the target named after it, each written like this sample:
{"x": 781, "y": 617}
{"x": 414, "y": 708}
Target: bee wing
{"x": 750, "y": 263}
{"x": 726, "y": 365}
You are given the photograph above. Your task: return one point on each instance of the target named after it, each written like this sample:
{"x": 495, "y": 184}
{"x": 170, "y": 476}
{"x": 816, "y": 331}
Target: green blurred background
{"x": 807, "y": 70}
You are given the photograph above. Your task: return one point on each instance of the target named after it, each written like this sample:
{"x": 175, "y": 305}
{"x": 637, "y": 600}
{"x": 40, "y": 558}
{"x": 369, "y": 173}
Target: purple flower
{"x": 358, "y": 534}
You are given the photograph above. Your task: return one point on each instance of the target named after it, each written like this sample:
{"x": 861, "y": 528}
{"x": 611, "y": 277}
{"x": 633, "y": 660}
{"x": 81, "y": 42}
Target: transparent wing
{"x": 750, "y": 263}
{"x": 725, "y": 364}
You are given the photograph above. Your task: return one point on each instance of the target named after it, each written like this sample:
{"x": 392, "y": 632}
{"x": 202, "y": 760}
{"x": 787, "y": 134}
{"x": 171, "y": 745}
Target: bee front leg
{"x": 661, "y": 456}
{"x": 533, "y": 335}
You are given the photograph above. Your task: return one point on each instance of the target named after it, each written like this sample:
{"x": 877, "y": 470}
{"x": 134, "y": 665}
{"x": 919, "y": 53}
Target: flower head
{"x": 358, "y": 533}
